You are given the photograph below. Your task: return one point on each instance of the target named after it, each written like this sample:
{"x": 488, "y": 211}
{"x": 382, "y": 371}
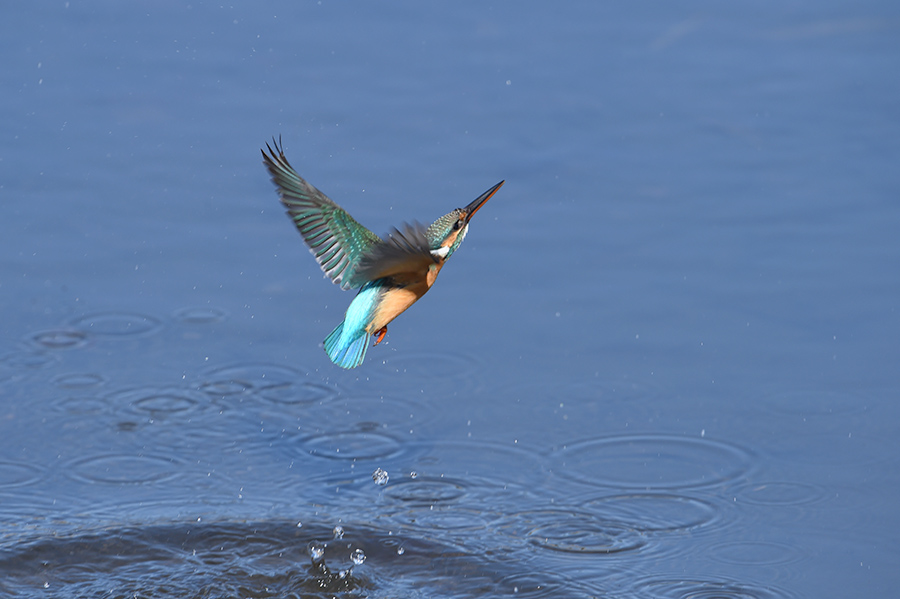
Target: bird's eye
{"x": 457, "y": 225}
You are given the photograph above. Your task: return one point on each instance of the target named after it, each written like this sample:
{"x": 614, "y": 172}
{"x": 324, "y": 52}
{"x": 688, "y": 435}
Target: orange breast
{"x": 409, "y": 288}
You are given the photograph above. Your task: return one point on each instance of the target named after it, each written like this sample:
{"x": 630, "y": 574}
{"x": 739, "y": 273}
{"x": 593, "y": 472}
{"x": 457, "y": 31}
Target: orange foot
{"x": 379, "y": 334}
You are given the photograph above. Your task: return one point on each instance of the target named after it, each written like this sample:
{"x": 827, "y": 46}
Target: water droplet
{"x": 357, "y": 557}
{"x": 400, "y": 550}
{"x": 299, "y": 524}
{"x": 380, "y": 477}
{"x": 316, "y": 551}
{"x": 413, "y": 474}
{"x": 338, "y": 532}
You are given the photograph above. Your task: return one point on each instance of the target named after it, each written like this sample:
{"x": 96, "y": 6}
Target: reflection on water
{"x": 254, "y": 559}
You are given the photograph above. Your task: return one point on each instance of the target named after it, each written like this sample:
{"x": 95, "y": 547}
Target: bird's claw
{"x": 379, "y": 335}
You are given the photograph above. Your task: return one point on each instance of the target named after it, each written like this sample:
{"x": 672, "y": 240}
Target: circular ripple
{"x": 351, "y": 445}
{"x": 653, "y": 512}
{"x": 199, "y": 506}
{"x": 125, "y": 469}
{"x": 17, "y": 474}
{"x": 201, "y": 315}
{"x": 782, "y": 493}
{"x": 376, "y": 412}
{"x": 253, "y": 376}
{"x": 534, "y": 586}
{"x": 59, "y": 339}
{"x": 224, "y": 388}
{"x": 652, "y": 462}
{"x": 492, "y": 463}
{"x": 571, "y": 532}
{"x": 157, "y": 402}
{"x": 81, "y": 405}
{"x": 754, "y": 553}
{"x": 51, "y": 504}
{"x": 429, "y": 366}
{"x": 271, "y": 382}
{"x": 425, "y": 491}
{"x": 79, "y": 380}
{"x": 297, "y": 393}
{"x": 680, "y": 588}
{"x": 116, "y": 324}
{"x": 27, "y": 360}
{"x": 446, "y": 518}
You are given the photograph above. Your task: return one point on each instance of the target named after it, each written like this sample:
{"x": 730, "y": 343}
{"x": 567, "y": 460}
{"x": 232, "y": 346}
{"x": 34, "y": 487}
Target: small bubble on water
{"x": 380, "y": 477}
{"x": 413, "y": 474}
{"x": 299, "y": 524}
{"x": 400, "y": 550}
{"x": 46, "y": 585}
{"x": 357, "y": 556}
{"x": 338, "y": 532}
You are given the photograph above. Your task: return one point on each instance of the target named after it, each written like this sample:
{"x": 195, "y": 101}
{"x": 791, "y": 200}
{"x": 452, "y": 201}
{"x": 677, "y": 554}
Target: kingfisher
{"x": 391, "y": 273}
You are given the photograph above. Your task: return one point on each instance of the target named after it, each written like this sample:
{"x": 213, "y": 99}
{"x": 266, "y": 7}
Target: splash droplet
{"x": 400, "y": 550}
{"x": 380, "y": 477}
{"x": 357, "y": 556}
{"x": 338, "y": 532}
{"x": 316, "y": 551}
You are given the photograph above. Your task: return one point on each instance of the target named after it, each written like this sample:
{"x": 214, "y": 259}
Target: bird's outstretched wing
{"x": 404, "y": 252}
{"x": 337, "y": 241}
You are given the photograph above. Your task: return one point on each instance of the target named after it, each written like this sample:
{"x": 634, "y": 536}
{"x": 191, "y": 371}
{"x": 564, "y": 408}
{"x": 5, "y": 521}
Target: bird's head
{"x": 447, "y": 233}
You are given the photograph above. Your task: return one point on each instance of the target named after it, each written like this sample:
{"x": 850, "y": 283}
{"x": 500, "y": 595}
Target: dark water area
{"x": 664, "y": 363}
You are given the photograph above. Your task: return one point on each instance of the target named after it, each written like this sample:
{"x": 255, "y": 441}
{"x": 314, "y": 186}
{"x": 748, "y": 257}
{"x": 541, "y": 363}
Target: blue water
{"x": 664, "y": 363}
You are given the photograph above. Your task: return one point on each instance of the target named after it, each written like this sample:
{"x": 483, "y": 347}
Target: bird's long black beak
{"x": 472, "y": 208}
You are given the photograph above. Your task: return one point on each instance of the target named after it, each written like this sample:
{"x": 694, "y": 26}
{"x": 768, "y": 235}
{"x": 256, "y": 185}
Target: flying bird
{"x": 391, "y": 274}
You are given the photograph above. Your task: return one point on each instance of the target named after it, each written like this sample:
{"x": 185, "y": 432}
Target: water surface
{"x": 663, "y": 364}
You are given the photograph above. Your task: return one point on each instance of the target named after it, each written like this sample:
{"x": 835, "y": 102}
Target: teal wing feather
{"x": 336, "y": 240}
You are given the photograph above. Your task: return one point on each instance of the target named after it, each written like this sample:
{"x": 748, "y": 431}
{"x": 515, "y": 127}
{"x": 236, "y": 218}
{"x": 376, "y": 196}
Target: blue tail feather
{"x": 346, "y": 352}
{"x": 347, "y": 343}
